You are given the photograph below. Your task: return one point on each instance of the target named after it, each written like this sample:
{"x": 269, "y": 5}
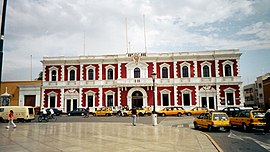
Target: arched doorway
{"x": 137, "y": 99}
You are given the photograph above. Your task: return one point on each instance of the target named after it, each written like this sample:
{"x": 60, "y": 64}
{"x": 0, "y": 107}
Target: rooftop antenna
{"x": 145, "y": 49}
{"x": 127, "y": 43}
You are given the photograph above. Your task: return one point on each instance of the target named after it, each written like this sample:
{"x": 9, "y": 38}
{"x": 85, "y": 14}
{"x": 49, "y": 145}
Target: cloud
{"x": 56, "y": 27}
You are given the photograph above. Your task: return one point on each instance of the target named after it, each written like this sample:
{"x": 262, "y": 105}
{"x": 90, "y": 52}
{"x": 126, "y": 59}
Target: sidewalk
{"x": 88, "y": 136}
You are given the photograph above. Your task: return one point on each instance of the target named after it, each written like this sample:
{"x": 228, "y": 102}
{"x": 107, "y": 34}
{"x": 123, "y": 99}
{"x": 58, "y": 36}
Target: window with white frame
{"x": 90, "y": 98}
{"x": 110, "y": 98}
{"x": 72, "y": 73}
{"x": 206, "y": 69}
{"x": 186, "y": 97}
{"x": 165, "y": 97}
{"x": 110, "y": 72}
{"x": 90, "y": 72}
{"x": 229, "y": 96}
{"x": 52, "y": 96}
{"x": 53, "y": 74}
{"x": 185, "y": 68}
{"x": 227, "y": 68}
{"x": 137, "y": 73}
{"x": 185, "y": 71}
{"x": 165, "y": 70}
{"x": 53, "y": 78}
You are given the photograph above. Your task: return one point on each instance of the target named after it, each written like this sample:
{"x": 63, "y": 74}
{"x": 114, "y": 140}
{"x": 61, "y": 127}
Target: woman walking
{"x": 10, "y": 118}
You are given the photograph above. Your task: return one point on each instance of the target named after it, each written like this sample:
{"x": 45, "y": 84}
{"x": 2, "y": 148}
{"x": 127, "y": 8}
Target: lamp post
{"x": 154, "y": 115}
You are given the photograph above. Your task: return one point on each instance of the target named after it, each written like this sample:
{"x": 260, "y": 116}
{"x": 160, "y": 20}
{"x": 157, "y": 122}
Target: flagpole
{"x": 4, "y": 9}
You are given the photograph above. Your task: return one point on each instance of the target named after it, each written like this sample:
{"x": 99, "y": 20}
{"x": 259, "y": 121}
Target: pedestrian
{"x": 267, "y": 119}
{"x": 134, "y": 114}
{"x": 10, "y": 118}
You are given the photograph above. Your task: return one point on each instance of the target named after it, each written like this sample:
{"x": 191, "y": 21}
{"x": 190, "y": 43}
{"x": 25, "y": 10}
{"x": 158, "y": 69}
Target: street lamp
{"x": 154, "y": 115}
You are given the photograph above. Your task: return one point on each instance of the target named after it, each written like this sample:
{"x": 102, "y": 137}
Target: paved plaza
{"x": 100, "y": 136}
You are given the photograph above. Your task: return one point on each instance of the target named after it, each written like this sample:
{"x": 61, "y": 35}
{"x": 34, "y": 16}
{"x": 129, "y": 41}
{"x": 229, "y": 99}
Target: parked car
{"x": 105, "y": 111}
{"x": 116, "y": 110}
{"x": 249, "y": 119}
{"x": 171, "y": 111}
{"x": 56, "y": 111}
{"x": 212, "y": 121}
{"x": 140, "y": 112}
{"x": 231, "y": 111}
{"x": 77, "y": 112}
{"x": 196, "y": 111}
{"x": 148, "y": 111}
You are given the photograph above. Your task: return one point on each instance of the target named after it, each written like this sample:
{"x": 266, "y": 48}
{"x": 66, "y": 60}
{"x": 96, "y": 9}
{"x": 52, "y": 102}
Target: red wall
{"x": 193, "y": 99}
{"x": 170, "y": 70}
{"x": 85, "y": 71}
{"x": 150, "y": 69}
{"x": 179, "y": 68}
{"x": 213, "y": 72}
{"x": 84, "y": 98}
{"x": 46, "y": 100}
{"x": 123, "y": 70}
{"x": 235, "y": 72}
{"x": 237, "y": 93}
{"x": 159, "y": 95}
{"x": 104, "y": 71}
{"x": 77, "y": 71}
{"x": 104, "y": 95}
{"x": 47, "y": 72}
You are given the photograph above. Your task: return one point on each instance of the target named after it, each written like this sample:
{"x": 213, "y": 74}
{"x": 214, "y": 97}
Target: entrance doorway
{"x": 137, "y": 99}
{"x": 71, "y": 104}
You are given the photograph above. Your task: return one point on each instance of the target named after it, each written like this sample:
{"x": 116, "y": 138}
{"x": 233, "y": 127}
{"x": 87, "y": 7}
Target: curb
{"x": 213, "y": 142}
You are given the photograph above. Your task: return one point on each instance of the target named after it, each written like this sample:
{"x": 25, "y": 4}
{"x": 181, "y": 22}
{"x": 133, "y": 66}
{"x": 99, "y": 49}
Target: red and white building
{"x": 187, "y": 79}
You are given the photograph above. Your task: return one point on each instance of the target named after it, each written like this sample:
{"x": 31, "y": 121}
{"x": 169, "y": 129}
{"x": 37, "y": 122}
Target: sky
{"x": 39, "y": 28}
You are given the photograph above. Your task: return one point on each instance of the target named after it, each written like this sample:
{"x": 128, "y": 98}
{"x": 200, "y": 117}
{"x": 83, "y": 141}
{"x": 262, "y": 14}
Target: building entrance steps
{"x": 90, "y": 136}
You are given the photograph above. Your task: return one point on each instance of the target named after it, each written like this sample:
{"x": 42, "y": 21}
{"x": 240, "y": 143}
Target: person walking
{"x": 267, "y": 125}
{"x": 10, "y": 118}
{"x": 134, "y": 114}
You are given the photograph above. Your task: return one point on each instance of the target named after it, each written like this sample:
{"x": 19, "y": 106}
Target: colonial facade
{"x": 187, "y": 79}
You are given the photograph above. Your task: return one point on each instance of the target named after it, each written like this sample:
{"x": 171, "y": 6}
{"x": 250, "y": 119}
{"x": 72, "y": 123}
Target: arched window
{"x": 228, "y": 70}
{"x": 90, "y": 74}
{"x": 206, "y": 71}
{"x": 53, "y": 75}
{"x": 164, "y": 72}
{"x": 110, "y": 74}
{"x": 185, "y": 71}
{"x": 137, "y": 73}
{"x": 72, "y": 75}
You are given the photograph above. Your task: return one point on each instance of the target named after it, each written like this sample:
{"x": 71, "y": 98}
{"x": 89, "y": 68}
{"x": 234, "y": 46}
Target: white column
{"x": 195, "y": 68}
{"x": 119, "y": 96}
{"x": 63, "y": 104}
{"x": 197, "y": 96}
{"x": 62, "y": 72}
{"x": 100, "y": 97}
{"x": 119, "y": 71}
{"x": 175, "y": 95}
{"x": 80, "y": 97}
{"x": 100, "y": 71}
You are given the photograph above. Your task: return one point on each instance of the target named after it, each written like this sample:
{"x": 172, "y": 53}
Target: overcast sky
{"x": 41, "y": 28}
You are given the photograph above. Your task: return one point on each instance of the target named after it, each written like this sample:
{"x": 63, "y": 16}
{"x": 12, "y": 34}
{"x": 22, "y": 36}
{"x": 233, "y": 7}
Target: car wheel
{"x": 196, "y": 125}
{"x": 106, "y": 114}
{"x": 227, "y": 129}
{"x": 69, "y": 114}
{"x": 94, "y": 114}
{"x": 210, "y": 128}
{"x": 82, "y": 114}
{"x": 179, "y": 114}
{"x": 163, "y": 115}
{"x": 189, "y": 114}
{"x": 125, "y": 114}
{"x": 119, "y": 113}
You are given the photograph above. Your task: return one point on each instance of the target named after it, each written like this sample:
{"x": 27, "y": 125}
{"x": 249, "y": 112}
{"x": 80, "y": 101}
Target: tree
{"x": 40, "y": 76}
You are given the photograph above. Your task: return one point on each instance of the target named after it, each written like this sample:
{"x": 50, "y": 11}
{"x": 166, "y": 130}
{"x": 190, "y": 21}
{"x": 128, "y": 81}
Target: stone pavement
{"x": 92, "y": 136}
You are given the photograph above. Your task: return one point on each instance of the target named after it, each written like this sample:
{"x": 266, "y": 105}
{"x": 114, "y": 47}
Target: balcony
{"x": 135, "y": 82}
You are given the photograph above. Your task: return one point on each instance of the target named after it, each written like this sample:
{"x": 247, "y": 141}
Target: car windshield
{"x": 220, "y": 117}
{"x": 257, "y": 114}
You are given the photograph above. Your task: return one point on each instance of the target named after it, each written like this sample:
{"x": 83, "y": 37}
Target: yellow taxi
{"x": 196, "y": 111}
{"x": 212, "y": 120}
{"x": 148, "y": 111}
{"x": 171, "y": 111}
{"x": 249, "y": 119}
{"x": 140, "y": 112}
{"x": 105, "y": 111}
